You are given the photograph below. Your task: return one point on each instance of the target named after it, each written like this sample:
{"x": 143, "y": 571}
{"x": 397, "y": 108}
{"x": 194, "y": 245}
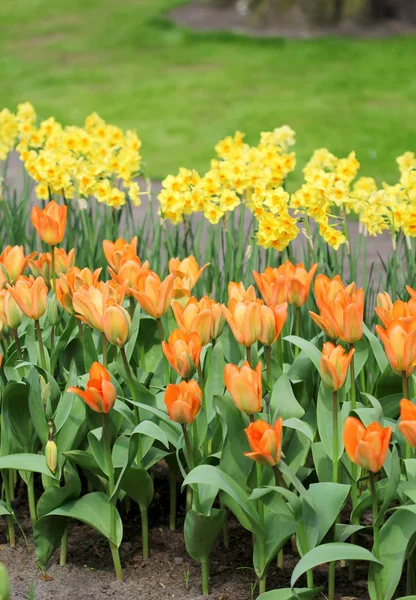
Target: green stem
{"x": 376, "y": 534}
{"x": 260, "y": 540}
{"x": 304, "y": 547}
{"x": 297, "y": 328}
{"x": 31, "y": 499}
{"x": 9, "y": 519}
{"x": 105, "y": 348}
{"x": 354, "y": 487}
{"x": 64, "y": 548}
{"x": 145, "y": 533}
{"x": 132, "y": 306}
{"x": 113, "y": 509}
{"x": 41, "y": 346}
{"x": 248, "y": 355}
{"x": 335, "y": 462}
{"x": 205, "y": 577}
{"x": 172, "y": 500}
{"x": 17, "y": 343}
{"x": 405, "y": 385}
{"x": 165, "y": 362}
{"x": 53, "y": 269}
{"x": 268, "y": 356}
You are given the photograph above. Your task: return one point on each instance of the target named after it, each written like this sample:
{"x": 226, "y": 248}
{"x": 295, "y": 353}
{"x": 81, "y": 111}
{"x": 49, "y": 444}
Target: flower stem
{"x": 268, "y": 356}
{"x": 165, "y": 361}
{"x": 376, "y": 533}
{"x": 335, "y": 462}
{"x": 64, "y": 548}
{"x": 354, "y": 488}
{"x": 248, "y": 355}
{"x": 205, "y": 577}
{"x": 113, "y": 509}
{"x": 104, "y": 344}
{"x": 405, "y": 385}
{"x": 145, "y": 533}
{"x": 9, "y": 519}
{"x": 31, "y": 499}
{"x": 297, "y": 328}
{"x": 172, "y": 500}
{"x": 17, "y": 343}
{"x": 53, "y": 269}
{"x": 41, "y": 346}
{"x": 260, "y": 540}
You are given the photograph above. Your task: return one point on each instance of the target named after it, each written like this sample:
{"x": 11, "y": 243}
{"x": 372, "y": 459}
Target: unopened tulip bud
{"x": 51, "y": 453}
{"x": 52, "y": 312}
{"x": 334, "y": 365}
{"x": 117, "y": 325}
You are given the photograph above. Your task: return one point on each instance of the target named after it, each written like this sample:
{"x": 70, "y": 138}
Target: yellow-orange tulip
{"x": 183, "y": 401}
{"x": 31, "y": 295}
{"x": 366, "y": 447}
{"x": 117, "y": 324}
{"x": 288, "y": 283}
{"x": 42, "y": 266}
{"x": 265, "y": 442}
{"x": 118, "y": 251}
{"x": 129, "y": 272}
{"x": 398, "y": 310}
{"x": 194, "y": 317}
{"x": 407, "y": 425}
{"x": 238, "y": 292}
{"x": 183, "y": 352}
{"x": 325, "y": 288}
{"x": 384, "y": 301}
{"x": 69, "y": 283}
{"x": 89, "y": 303}
{"x": 411, "y": 291}
{"x": 187, "y": 270}
{"x": 100, "y": 394}
{"x": 334, "y": 365}
{"x": 244, "y": 319}
{"x": 154, "y": 295}
{"x": 244, "y": 386}
{"x": 342, "y": 317}
{"x": 50, "y": 222}
{"x": 272, "y": 319}
{"x": 13, "y": 262}
{"x": 10, "y": 312}
{"x": 399, "y": 340}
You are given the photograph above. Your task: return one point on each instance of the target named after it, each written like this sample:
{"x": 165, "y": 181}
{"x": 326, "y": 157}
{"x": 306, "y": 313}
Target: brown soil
{"x": 203, "y": 15}
{"x": 89, "y": 573}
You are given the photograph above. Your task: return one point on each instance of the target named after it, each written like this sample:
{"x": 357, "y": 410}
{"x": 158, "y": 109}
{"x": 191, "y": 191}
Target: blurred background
{"x": 341, "y": 73}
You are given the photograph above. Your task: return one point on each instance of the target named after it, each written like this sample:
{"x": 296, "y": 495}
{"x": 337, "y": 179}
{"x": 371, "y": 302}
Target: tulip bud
{"x": 51, "y": 453}
{"x": 334, "y": 365}
{"x": 265, "y": 442}
{"x": 45, "y": 391}
{"x": 384, "y": 301}
{"x": 117, "y": 325}
{"x": 52, "y": 311}
{"x": 183, "y": 401}
{"x": 366, "y": 446}
{"x": 244, "y": 386}
{"x": 4, "y": 583}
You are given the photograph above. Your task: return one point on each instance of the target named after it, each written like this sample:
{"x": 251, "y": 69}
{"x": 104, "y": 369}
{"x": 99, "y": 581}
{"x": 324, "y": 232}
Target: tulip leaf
{"x": 360, "y": 358}
{"x": 329, "y": 553}
{"x": 88, "y": 348}
{"x": 291, "y": 594}
{"x": 35, "y": 463}
{"x": 85, "y": 460}
{"x": 36, "y": 407}
{"x": 4, "y": 510}
{"x": 300, "y": 426}
{"x": 278, "y": 529}
{"x": 308, "y": 348}
{"x": 16, "y": 415}
{"x": 63, "y": 341}
{"x": 283, "y": 401}
{"x": 148, "y": 344}
{"x": 138, "y": 484}
{"x": 377, "y": 348}
{"x": 325, "y": 421}
{"x": 54, "y": 495}
{"x": 335, "y": 495}
{"x": 93, "y": 509}
{"x": 201, "y": 531}
{"x": 343, "y": 531}
{"x": 66, "y": 401}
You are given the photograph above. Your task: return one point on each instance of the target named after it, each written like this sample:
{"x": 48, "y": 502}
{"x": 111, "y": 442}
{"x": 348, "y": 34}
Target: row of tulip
{"x": 109, "y": 377}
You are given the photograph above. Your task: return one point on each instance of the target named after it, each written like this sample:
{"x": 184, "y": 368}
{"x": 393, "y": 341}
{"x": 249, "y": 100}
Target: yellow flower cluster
{"x": 98, "y": 160}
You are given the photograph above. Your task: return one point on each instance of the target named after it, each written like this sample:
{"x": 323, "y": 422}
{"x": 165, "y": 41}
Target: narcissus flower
{"x": 244, "y": 386}
{"x": 183, "y": 352}
{"x": 287, "y": 283}
{"x": 13, "y": 262}
{"x": 407, "y": 425}
{"x": 118, "y": 251}
{"x": 100, "y": 394}
{"x": 272, "y": 319}
{"x": 366, "y": 447}
{"x": 399, "y": 340}
{"x": 31, "y": 295}
{"x": 50, "y": 222}
{"x": 238, "y": 292}
{"x": 154, "y": 295}
{"x": 117, "y": 324}
{"x": 244, "y": 319}
{"x": 265, "y": 441}
{"x": 334, "y": 365}
{"x": 183, "y": 401}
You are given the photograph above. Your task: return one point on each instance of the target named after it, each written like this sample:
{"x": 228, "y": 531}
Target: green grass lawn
{"x": 183, "y": 91}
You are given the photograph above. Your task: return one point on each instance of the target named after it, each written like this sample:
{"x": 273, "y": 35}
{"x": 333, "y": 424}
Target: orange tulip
{"x": 90, "y": 302}
{"x": 272, "y": 319}
{"x": 411, "y": 291}
{"x": 117, "y": 324}
{"x": 334, "y": 365}
{"x": 398, "y": 310}
{"x": 10, "y": 312}
{"x": 194, "y": 317}
{"x": 287, "y": 283}
{"x": 153, "y": 295}
{"x": 407, "y": 425}
{"x": 129, "y": 272}
{"x": 31, "y": 295}
{"x": 118, "y": 251}
{"x": 100, "y": 394}
{"x": 342, "y": 317}
{"x": 399, "y": 340}
{"x": 187, "y": 270}
{"x": 50, "y": 222}
{"x": 325, "y": 289}
{"x": 183, "y": 352}
{"x": 70, "y": 282}
{"x": 244, "y": 319}
{"x": 238, "y": 292}
{"x": 265, "y": 442}
{"x": 244, "y": 386}
{"x": 13, "y": 262}
{"x": 384, "y": 301}
{"x": 366, "y": 447}
{"x": 42, "y": 266}
{"x": 183, "y": 401}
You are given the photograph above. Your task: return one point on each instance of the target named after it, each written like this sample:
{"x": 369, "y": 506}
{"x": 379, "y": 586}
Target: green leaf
{"x": 4, "y": 510}
{"x": 343, "y": 531}
{"x": 325, "y": 417}
{"x": 35, "y": 463}
{"x": 278, "y": 530}
{"x": 329, "y": 553}
{"x": 201, "y": 531}
{"x": 63, "y": 341}
{"x": 291, "y": 594}
{"x": 377, "y": 348}
{"x": 138, "y": 484}
{"x": 54, "y": 496}
{"x": 308, "y": 348}
{"x": 335, "y": 495}
{"x": 283, "y": 401}
{"x": 300, "y": 426}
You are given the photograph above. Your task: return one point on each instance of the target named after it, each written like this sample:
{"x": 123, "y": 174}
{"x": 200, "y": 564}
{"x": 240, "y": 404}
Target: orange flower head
{"x": 325, "y": 288}
{"x": 384, "y": 301}
{"x": 186, "y": 270}
{"x": 31, "y": 295}
{"x": 183, "y": 352}
{"x": 50, "y": 222}
{"x": 69, "y": 283}
{"x": 398, "y": 310}
{"x": 119, "y": 251}
{"x": 129, "y": 272}
{"x": 244, "y": 386}
{"x": 89, "y": 303}
{"x": 10, "y": 312}
{"x": 366, "y": 447}
{"x": 42, "y": 266}
{"x": 154, "y": 295}
{"x": 265, "y": 442}
{"x": 12, "y": 263}
{"x": 272, "y": 319}
{"x": 244, "y": 320}
{"x": 287, "y": 283}
{"x": 117, "y": 324}
{"x": 183, "y": 401}
{"x": 194, "y": 317}
{"x": 334, "y": 365}
{"x": 100, "y": 393}
{"x": 237, "y": 291}
{"x": 399, "y": 340}
{"x": 411, "y": 291}
{"x": 342, "y": 317}
{"x": 407, "y": 425}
